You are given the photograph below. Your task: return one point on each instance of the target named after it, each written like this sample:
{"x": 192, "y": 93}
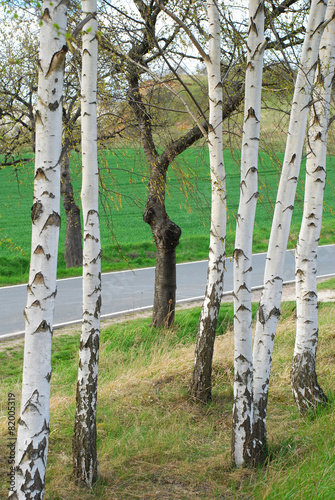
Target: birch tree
{"x": 33, "y": 424}
{"x": 269, "y": 305}
{"x": 306, "y": 390}
{"x": 85, "y": 462}
{"x": 200, "y": 387}
{"x": 243, "y": 365}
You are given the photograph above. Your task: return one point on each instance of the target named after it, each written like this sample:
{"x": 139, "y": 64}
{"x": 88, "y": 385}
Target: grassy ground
{"x": 153, "y": 442}
{"x": 126, "y": 239}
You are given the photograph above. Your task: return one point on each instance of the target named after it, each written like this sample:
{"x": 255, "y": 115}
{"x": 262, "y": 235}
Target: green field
{"x": 155, "y": 443}
{"x": 126, "y": 239}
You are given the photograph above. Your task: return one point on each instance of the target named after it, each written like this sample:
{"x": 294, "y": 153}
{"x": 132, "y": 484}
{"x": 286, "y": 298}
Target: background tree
{"x": 33, "y": 424}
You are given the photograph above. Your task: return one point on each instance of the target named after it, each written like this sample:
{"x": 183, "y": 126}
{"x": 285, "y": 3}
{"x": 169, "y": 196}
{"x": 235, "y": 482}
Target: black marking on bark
{"x": 311, "y": 294}
{"x": 46, "y": 14}
{"x": 242, "y": 307}
{"x": 38, "y": 118}
{"x": 251, "y": 114}
{"x": 242, "y": 358}
{"x": 243, "y": 287}
{"x": 253, "y": 26}
{"x": 274, "y": 312}
{"x": 52, "y": 220}
{"x": 293, "y": 158}
{"x": 36, "y": 303}
{"x": 53, "y": 105}
{"x": 255, "y": 195}
{"x": 38, "y": 280}
{"x": 97, "y": 307}
{"x": 260, "y": 314}
{"x": 251, "y": 170}
{"x": 290, "y": 207}
{"x": 247, "y": 270}
{"x": 36, "y": 211}
{"x": 319, "y": 168}
{"x": 33, "y": 485}
{"x": 52, "y": 295}
{"x": 91, "y": 212}
{"x": 57, "y": 61}
{"x": 32, "y": 402}
{"x": 48, "y": 376}
{"x": 43, "y": 327}
{"x": 96, "y": 259}
{"x": 22, "y": 422}
{"x": 238, "y": 252}
{"x": 39, "y": 250}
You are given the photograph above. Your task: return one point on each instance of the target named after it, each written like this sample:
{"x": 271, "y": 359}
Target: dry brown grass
{"x": 154, "y": 443}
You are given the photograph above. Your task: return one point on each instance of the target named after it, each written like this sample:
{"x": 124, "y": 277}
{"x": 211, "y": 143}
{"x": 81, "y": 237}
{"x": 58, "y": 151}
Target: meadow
{"x": 126, "y": 239}
{"x": 154, "y": 442}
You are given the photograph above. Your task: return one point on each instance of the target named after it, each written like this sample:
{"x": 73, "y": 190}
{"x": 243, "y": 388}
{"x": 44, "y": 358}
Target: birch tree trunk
{"x": 269, "y": 305}
{"x": 33, "y": 424}
{"x": 243, "y": 365}
{"x": 85, "y": 462}
{"x": 306, "y": 390}
{"x": 201, "y": 385}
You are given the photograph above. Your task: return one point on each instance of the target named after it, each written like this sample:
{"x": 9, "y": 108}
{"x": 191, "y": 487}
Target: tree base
{"x": 306, "y": 390}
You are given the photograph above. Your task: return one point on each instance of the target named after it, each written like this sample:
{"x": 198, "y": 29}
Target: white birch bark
{"x": 269, "y": 306}
{"x": 201, "y": 379}
{"x": 243, "y": 366}
{"x": 85, "y": 463}
{"x": 306, "y": 390}
{"x": 33, "y": 424}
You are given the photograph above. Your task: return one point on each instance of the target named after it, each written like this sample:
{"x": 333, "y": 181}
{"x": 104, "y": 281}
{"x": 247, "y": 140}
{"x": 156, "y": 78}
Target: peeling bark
{"x": 269, "y": 309}
{"x": 201, "y": 383}
{"x": 33, "y": 424}
{"x": 243, "y": 363}
{"x": 84, "y": 443}
{"x": 306, "y": 390}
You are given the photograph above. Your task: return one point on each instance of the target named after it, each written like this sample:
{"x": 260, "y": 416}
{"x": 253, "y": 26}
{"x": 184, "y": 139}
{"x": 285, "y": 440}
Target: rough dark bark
{"x": 259, "y": 448}
{"x": 84, "y": 442}
{"x": 305, "y": 388}
{"x": 166, "y": 234}
{"x": 201, "y": 383}
{"x": 73, "y": 236}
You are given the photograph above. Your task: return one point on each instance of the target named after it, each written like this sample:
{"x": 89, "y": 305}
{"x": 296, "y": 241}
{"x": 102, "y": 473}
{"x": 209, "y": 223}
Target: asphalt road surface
{"x": 128, "y": 291}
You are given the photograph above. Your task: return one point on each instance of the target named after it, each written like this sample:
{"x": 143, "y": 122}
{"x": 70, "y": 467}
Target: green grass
{"x": 153, "y": 442}
{"x": 126, "y": 239}
{"x": 327, "y": 285}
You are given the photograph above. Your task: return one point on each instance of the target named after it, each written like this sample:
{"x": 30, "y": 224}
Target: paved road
{"x": 127, "y": 291}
